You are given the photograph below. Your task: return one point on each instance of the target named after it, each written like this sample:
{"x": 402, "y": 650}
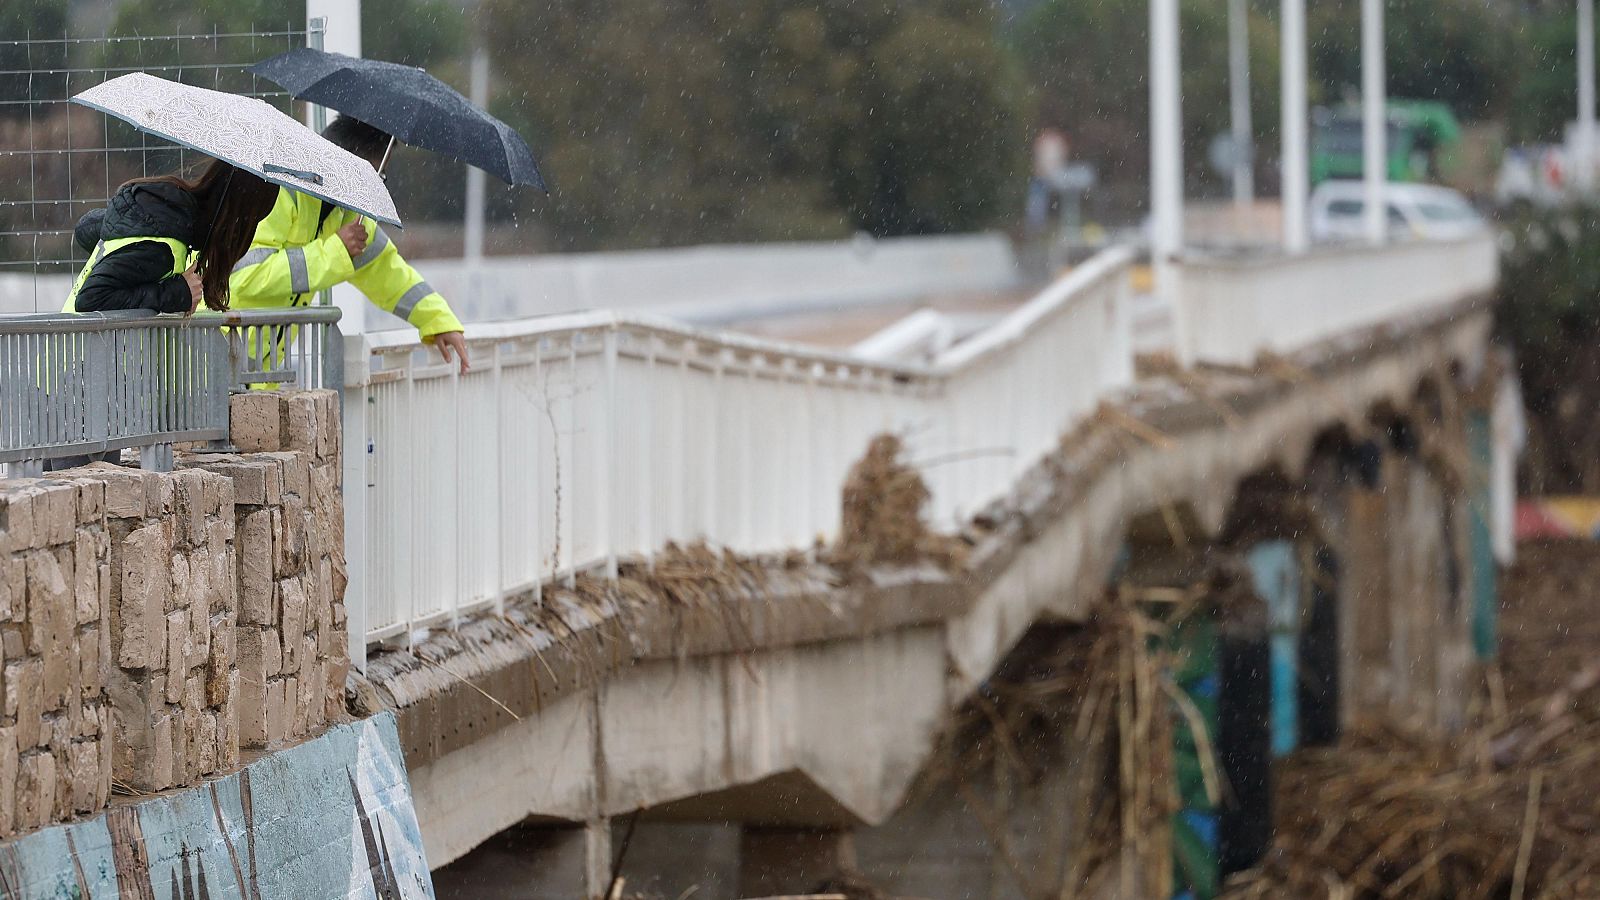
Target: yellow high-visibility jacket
{"x": 291, "y": 258}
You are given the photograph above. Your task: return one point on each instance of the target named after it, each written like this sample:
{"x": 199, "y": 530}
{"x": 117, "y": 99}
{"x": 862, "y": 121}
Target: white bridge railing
{"x": 581, "y": 439}
{"x": 1236, "y": 308}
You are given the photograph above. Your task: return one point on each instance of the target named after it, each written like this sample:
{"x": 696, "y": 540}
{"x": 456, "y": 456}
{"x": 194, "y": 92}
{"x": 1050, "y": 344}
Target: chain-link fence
{"x": 59, "y": 160}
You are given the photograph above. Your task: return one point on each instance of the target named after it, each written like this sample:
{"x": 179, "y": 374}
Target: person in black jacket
{"x": 141, "y": 244}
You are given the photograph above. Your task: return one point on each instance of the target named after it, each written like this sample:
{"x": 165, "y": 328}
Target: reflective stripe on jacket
{"x": 293, "y": 257}
{"x": 180, "y": 259}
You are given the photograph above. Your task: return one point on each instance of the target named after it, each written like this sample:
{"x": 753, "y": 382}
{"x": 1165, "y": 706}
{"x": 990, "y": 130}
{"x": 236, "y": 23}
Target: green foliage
{"x": 20, "y": 19}
{"x": 1550, "y": 279}
{"x": 1545, "y": 92}
{"x": 414, "y": 32}
{"x": 1549, "y": 312}
{"x": 1089, "y": 63}
{"x": 1462, "y": 52}
{"x": 418, "y": 32}
{"x": 686, "y": 121}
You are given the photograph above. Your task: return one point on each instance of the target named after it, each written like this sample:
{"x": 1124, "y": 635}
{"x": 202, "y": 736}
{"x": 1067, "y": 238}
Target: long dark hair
{"x": 359, "y": 138}
{"x": 231, "y": 203}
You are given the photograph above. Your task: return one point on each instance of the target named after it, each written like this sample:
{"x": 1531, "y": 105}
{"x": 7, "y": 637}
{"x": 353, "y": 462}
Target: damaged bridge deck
{"x": 794, "y": 691}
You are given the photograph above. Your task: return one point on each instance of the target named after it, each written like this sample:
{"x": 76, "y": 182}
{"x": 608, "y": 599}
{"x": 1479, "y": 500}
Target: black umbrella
{"x": 407, "y": 102}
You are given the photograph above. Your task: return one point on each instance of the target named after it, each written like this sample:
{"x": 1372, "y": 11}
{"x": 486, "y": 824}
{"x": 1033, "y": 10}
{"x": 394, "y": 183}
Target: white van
{"x": 1424, "y": 211}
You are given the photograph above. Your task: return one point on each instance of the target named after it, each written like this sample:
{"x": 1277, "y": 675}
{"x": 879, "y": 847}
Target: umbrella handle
{"x": 301, "y": 174}
{"x": 386, "y": 151}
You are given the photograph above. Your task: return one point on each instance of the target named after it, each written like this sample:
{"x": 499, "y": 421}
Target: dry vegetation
{"x": 1508, "y": 809}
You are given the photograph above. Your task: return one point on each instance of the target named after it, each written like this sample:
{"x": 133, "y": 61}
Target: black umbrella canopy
{"x": 407, "y": 102}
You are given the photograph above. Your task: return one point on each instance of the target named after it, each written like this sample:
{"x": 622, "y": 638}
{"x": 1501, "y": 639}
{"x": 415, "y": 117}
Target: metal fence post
{"x": 356, "y": 481}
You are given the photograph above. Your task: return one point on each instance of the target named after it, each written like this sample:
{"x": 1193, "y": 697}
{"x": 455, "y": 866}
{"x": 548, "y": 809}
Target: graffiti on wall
{"x": 329, "y": 818}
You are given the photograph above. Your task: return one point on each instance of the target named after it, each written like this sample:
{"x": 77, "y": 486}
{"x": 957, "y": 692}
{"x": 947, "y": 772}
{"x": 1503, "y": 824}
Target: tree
{"x": 1461, "y": 52}
{"x": 1546, "y": 91}
{"x": 1090, "y": 64}
{"x": 416, "y": 32}
{"x": 685, "y": 121}
{"x": 1549, "y": 313}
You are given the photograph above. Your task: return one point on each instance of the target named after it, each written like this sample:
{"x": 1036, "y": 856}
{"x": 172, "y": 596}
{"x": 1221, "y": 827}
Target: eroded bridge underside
{"x": 795, "y": 700}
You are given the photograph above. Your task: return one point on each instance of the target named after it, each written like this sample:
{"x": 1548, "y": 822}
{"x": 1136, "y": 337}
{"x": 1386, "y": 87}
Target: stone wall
{"x": 54, "y": 722}
{"x": 153, "y": 624}
{"x": 173, "y": 601}
{"x": 293, "y": 650}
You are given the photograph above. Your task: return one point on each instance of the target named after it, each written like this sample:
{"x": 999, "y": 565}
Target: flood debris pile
{"x": 1091, "y": 699}
{"x": 881, "y": 520}
{"x": 1506, "y": 809}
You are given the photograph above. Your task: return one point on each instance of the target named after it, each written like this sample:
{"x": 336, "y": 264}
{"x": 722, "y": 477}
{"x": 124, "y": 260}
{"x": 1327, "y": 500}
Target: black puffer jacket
{"x": 138, "y": 275}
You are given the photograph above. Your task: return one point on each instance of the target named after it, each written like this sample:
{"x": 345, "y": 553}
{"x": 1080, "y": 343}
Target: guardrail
{"x": 73, "y": 385}
{"x": 1236, "y": 308}
{"x": 581, "y": 439}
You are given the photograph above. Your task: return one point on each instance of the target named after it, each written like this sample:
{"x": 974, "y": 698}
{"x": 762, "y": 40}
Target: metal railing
{"x": 582, "y": 439}
{"x": 59, "y": 161}
{"x": 74, "y": 385}
{"x": 1233, "y": 309}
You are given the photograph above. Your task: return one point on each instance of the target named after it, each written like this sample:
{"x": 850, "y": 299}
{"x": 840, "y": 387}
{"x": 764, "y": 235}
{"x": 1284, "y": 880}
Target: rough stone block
{"x": 36, "y": 790}
{"x": 91, "y": 501}
{"x": 256, "y": 570}
{"x": 205, "y": 749}
{"x": 296, "y": 473}
{"x": 293, "y": 594}
{"x": 140, "y": 623}
{"x": 15, "y": 572}
{"x": 26, "y": 678}
{"x": 177, "y": 652}
{"x": 248, "y": 479}
{"x": 16, "y": 515}
{"x": 190, "y": 504}
{"x": 194, "y": 693}
{"x": 124, "y": 491}
{"x": 103, "y": 785}
{"x": 88, "y": 557}
{"x": 251, "y": 707}
{"x": 275, "y": 725}
{"x": 55, "y": 508}
{"x": 336, "y": 671}
{"x": 159, "y": 773}
{"x": 84, "y": 774}
{"x": 300, "y": 418}
{"x": 8, "y": 781}
{"x": 255, "y": 420}
{"x": 253, "y": 656}
{"x": 91, "y": 679}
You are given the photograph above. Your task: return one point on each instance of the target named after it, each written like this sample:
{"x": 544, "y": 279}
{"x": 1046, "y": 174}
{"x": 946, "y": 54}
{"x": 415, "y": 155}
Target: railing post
{"x": 97, "y": 368}
{"x": 356, "y": 481}
{"x": 645, "y": 448}
{"x": 156, "y": 457}
{"x": 610, "y": 458}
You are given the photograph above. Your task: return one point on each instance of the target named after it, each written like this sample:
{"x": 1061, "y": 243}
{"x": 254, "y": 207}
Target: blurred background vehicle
{"x": 1422, "y": 139}
{"x": 1424, "y": 211}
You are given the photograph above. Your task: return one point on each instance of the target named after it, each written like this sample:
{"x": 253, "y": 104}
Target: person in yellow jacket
{"x": 306, "y": 245}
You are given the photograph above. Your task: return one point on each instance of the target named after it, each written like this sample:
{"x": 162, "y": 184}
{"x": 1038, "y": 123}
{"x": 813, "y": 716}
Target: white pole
{"x": 1586, "y": 122}
{"x": 341, "y": 33}
{"x": 473, "y": 251}
{"x": 343, "y": 17}
{"x": 1374, "y": 120}
{"x": 1244, "y": 181}
{"x": 1296, "y": 152}
{"x": 1166, "y": 163}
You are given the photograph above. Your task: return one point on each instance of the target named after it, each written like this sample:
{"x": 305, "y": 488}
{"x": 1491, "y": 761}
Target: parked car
{"x": 1423, "y": 211}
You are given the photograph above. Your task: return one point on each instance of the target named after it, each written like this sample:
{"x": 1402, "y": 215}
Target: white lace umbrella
{"x": 248, "y": 133}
